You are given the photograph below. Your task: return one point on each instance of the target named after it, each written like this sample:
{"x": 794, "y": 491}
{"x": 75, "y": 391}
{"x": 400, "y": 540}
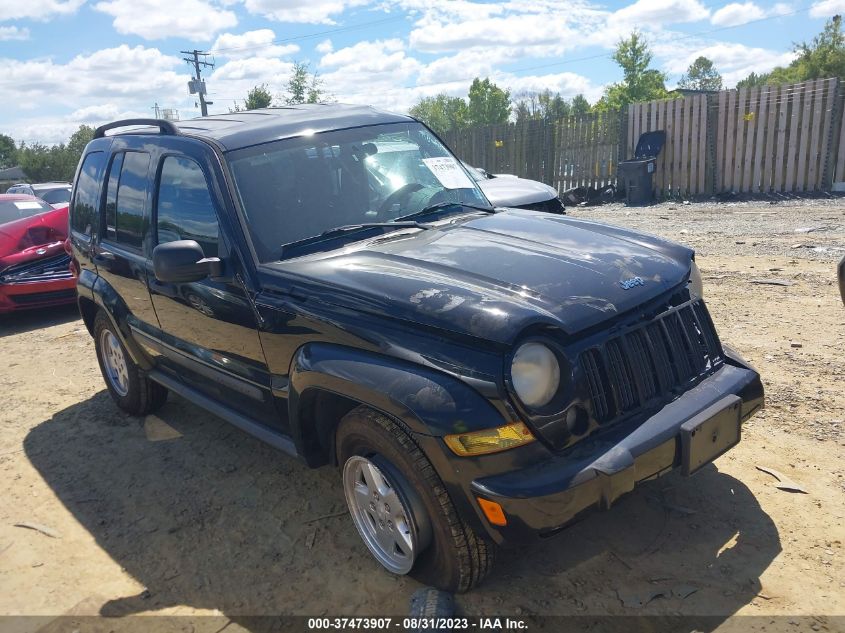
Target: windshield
{"x": 11, "y": 210}
{"x": 55, "y": 196}
{"x": 298, "y": 188}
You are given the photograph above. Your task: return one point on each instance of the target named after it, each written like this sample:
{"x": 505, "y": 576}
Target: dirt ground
{"x": 214, "y": 522}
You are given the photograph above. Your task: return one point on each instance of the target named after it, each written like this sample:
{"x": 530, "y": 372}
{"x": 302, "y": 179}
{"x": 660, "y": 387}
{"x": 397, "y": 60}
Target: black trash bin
{"x": 636, "y": 175}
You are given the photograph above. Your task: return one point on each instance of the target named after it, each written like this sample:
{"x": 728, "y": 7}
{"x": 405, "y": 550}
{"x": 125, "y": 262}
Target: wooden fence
{"x": 752, "y": 140}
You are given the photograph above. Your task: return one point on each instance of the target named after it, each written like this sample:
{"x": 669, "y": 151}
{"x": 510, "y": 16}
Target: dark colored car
{"x": 57, "y": 194}
{"x": 507, "y": 190}
{"x": 34, "y": 267}
{"x": 481, "y": 377}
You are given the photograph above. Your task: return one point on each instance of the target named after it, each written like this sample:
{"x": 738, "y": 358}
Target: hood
{"x": 493, "y": 276}
{"x": 32, "y": 238}
{"x": 510, "y": 191}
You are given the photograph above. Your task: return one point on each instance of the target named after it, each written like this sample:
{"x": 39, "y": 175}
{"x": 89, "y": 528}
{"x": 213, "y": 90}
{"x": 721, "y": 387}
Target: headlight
{"x": 696, "y": 287}
{"x": 535, "y": 373}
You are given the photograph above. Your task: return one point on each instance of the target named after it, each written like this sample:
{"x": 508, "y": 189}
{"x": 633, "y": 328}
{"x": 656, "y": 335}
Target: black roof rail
{"x": 165, "y": 127}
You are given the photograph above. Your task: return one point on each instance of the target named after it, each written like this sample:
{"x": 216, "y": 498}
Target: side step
{"x": 276, "y": 440}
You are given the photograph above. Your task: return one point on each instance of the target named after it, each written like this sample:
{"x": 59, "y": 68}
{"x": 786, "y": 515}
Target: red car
{"x": 34, "y": 267}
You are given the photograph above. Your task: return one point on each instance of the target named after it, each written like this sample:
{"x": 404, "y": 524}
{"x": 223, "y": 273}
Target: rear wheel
{"x": 401, "y": 508}
{"x": 131, "y": 390}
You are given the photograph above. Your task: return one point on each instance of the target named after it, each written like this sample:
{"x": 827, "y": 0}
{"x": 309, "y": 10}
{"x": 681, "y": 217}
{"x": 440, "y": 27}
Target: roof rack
{"x": 165, "y": 127}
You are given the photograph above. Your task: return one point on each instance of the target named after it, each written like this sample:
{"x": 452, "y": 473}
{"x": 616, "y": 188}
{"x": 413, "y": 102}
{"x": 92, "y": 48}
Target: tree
{"x": 8, "y": 151}
{"x": 639, "y": 82}
{"x": 303, "y": 86}
{"x": 441, "y": 113}
{"x": 580, "y": 105}
{"x": 258, "y": 97}
{"x": 488, "y": 104}
{"x": 753, "y": 80}
{"x": 701, "y": 75}
{"x": 822, "y": 58}
{"x": 546, "y": 105}
{"x": 78, "y": 141}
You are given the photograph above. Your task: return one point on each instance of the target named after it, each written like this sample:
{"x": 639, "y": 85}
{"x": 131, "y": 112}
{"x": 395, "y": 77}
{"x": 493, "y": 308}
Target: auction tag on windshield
{"x": 448, "y": 172}
{"x": 27, "y": 204}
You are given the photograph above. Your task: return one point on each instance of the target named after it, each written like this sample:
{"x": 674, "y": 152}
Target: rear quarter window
{"x": 83, "y": 211}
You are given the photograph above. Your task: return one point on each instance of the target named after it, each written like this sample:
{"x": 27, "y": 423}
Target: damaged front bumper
{"x": 37, "y": 284}
{"x": 541, "y": 499}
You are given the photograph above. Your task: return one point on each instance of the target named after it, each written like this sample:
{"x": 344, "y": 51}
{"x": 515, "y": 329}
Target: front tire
{"x": 438, "y": 549}
{"x": 131, "y": 390}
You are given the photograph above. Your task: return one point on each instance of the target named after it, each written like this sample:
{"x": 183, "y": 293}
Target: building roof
{"x": 252, "y": 127}
{"x": 12, "y": 173}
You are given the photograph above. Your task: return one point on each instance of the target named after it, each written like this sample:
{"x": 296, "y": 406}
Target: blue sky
{"x": 67, "y": 62}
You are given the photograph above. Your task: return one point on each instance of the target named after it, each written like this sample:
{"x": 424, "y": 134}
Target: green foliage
{"x": 441, "y": 113}
{"x": 78, "y": 141}
{"x": 488, "y": 104}
{"x": 42, "y": 163}
{"x": 822, "y": 58}
{"x": 8, "y": 151}
{"x": 639, "y": 82}
{"x": 258, "y": 97}
{"x": 545, "y": 106}
{"x": 303, "y": 86}
{"x": 753, "y": 80}
{"x": 580, "y": 105}
{"x": 701, "y": 75}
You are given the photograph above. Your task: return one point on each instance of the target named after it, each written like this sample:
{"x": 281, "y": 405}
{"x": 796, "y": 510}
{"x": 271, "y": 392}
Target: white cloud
{"x": 94, "y": 89}
{"x": 827, "y": 8}
{"x": 325, "y": 47}
{"x": 13, "y": 33}
{"x": 652, "y": 13}
{"x": 733, "y": 60}
{"x": 306, "y": 11}
{"x": 734, "y": 14}
{"x": 251, "y": 44}
{"x": 37, "y": 9}
{"x": 544, "y": 34}
{"x": 159, "y": 19}
{"x": 97, "y": 78}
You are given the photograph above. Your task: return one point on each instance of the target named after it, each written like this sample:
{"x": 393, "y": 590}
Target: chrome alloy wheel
{"x": 383, "y": 515}
{"x": 114, "y": 362}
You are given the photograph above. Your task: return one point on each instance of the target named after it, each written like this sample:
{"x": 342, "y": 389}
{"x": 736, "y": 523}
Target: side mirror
{"x": 842, "y": 279}
{"x": 182, "y": 262}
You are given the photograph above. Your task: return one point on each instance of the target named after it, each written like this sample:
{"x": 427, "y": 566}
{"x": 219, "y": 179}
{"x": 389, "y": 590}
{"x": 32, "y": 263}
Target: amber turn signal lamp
{"x": 489, "y": 440}
{"x": 493, "y": 511}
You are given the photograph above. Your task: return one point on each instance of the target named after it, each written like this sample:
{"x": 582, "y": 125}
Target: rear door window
{"x": 84, "y": 209}
{"x": 126, "y": 198}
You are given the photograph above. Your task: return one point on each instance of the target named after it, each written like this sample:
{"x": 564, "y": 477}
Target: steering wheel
{"x": 396, "y": 196}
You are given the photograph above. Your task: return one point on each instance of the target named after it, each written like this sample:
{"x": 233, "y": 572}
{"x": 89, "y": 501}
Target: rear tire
{"x": 131, "y": 390}
{"x": 455, "y": 558}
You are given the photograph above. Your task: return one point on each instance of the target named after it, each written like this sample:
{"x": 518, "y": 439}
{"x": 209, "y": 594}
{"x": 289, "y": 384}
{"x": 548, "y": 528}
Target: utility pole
{"x": 199, "y": 85}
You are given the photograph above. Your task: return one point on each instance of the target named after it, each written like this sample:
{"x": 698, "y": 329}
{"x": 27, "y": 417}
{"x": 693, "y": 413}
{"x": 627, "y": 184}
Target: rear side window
{"x": 84, "y": 210}
{"x": 126, "y": 197}
{"x": 184, "y": 209}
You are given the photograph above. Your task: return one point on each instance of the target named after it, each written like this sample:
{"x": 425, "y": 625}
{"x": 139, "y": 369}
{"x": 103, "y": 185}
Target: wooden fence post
{"x": 832, "y": 146}
{"x": 712, "y": 105}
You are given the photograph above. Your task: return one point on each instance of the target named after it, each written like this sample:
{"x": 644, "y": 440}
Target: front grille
{"x": 651, "y": 361}
{"x": 49, "y": 269}
{"x": 42, "y": 297}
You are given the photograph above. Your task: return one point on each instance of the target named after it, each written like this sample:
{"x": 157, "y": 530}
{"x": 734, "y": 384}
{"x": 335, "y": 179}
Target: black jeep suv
{"x": 481, "y": 376}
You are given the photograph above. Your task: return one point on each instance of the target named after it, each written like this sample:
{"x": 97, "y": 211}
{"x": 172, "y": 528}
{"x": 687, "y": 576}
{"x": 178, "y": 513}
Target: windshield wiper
{"x": 440, "y": 206}
{"x": 347, "y": 230}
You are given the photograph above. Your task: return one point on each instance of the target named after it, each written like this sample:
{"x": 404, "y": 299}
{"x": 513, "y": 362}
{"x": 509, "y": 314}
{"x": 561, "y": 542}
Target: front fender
{"x": 427, "y": 401}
